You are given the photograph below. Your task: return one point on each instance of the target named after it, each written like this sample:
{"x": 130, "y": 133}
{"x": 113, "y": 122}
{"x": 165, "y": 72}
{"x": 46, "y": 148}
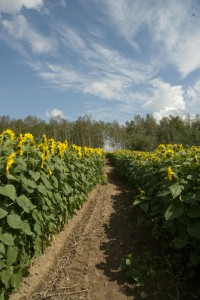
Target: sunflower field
{"x": 167, "y": 182}
{"x": 42, "y": 184}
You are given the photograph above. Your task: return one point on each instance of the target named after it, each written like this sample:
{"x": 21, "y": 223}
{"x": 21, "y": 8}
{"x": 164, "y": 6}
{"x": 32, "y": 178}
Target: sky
{"x": 109, "y": 59}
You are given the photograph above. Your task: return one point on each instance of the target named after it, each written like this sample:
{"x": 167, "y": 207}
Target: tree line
{"x": 140, "y": 133}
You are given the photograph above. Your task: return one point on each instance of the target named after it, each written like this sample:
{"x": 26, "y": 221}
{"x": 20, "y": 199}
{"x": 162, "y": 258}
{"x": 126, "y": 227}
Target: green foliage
{"x": 147, "y": 265}
{"x": 39, "y": 192}
{"x": 168, "y": 185}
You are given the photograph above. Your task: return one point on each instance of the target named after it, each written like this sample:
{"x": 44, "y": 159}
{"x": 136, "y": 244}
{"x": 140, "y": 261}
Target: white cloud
{"x": 101, "y": 59}
{"x": 70, "y": 38}
{"x": 19, "y": 29}
{"x": 166, "y": 100}
{"x": 186, "y": 54}
{"x": 62, "y": 77}
{"x": 98, "y": 81}
{"x": 107, "y": 89}
{"x": 41, "y": 44}
{"x": 14, "y": 6}
{"x": 55, "y": 113}
{"x": 177, "y": 32}
{"x": 193, "y": 93}
{"x": 110, "y": 61}
{"x": 181, "y": 40}
{"x": 96, "y": 60}
{"x": 127, "y": 16}
{"x": 98, "y": 70}
{"x": 172, "y": 26}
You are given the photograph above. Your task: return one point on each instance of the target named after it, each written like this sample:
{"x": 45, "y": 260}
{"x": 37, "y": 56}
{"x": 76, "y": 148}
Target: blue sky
{"x": 111, "y": 59}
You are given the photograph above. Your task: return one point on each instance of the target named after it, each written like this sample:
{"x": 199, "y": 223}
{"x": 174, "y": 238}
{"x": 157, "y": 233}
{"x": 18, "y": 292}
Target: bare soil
{"x": 83, "y": 260}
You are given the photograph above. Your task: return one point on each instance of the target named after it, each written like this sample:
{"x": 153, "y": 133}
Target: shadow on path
{"x": 124, "y": 238}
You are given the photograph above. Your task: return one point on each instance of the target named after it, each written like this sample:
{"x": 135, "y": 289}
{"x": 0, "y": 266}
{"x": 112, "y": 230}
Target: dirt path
{"x": 83, "y": 260}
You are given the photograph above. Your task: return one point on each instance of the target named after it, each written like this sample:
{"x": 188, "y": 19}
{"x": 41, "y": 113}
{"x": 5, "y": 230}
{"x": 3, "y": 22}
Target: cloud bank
{"x": 13, "y": 7}
{"x": 122, "y": 54}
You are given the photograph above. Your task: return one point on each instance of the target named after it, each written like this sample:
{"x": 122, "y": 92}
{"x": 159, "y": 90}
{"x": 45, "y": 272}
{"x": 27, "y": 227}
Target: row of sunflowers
{"x": 167, "y": 181}
{"x": 42, "y": 184}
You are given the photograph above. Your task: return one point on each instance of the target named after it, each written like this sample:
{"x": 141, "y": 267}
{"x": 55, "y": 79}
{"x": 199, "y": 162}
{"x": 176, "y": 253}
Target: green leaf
{"x": 179, "y": 243}
{"x": 19, "y": 169}
{"x": 11, "y": 255}
{"x": 50, "y": 195}
{"x": 128, "y": 261}
{"x": 37, "y": 247}
{"x": 67, "y": 188}
{"x": 135, "y": 274}
{"x": 7, "y": 144}
{"x": 2, "y": 295}
{"x": 74, "y": 175}
{"x": 46, "y": 182}
{"x": 194, "y": 211}
{"x": 136, "y": 202}
{"x": 194, "y": 230}
{"x": 37, "y": 228}
{"x": 14, "y": 221}
{"x": 58, "y": 197}
{"x": 20, "y": 161}
{"x": 51, "y": 227}
{"x": 71, "y": 166}
{"x": 25, "y": 203}
{"x": 7, "y": 239}
{"x": 83, "y": 177}
{"x": 2, "y": 250}
{"x": 2, "y": 264}
{"x": 55, "y": 181}
{"x": 37, "y": 215}
{"x": 176, "y": 190}
{"x": 34, "y": 175}
{"x": 11, "y": 177}
{"x": 42, "y": 189}
{"x": 26, "y": 228}
{"x": 5, "y": 277}
{"x": 16, "y": 277}
{"x": 24, "y": 261}
{"x": 173, "y": 212}
{"x": 3, "y": 211}
{"x": 144, "y": 206}
{"x": 28, "y": 182}
{"x": 9, "y": 191}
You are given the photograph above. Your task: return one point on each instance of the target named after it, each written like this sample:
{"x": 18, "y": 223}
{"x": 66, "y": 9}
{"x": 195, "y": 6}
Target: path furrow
{"x": 91, "y": 247}
{"x": 82, "y": 262}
